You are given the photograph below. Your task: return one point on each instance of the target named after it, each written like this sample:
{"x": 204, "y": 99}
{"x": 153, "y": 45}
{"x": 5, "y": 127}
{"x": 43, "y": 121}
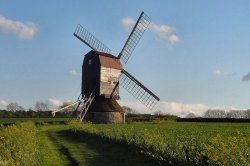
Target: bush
{"x": 19, "y": 144}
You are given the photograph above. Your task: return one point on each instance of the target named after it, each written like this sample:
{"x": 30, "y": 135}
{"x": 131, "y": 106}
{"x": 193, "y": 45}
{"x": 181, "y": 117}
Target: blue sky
{"x": 194, "y": 56}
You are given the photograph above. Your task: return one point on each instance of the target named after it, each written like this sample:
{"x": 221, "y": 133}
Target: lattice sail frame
{"x": 134, "y": 37}
{"x": 90, "y": 40}
{"x": 128, "y": 82}
{"x": 139, "y": 91}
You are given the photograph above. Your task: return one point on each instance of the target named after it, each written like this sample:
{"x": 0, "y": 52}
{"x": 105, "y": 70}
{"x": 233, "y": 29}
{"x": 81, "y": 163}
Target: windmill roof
{"x": 109, "y": 61}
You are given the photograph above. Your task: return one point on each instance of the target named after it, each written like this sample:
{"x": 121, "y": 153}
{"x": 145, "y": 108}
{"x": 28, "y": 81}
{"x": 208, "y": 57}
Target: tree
{"x": 191, "y": 115}
{"x": 20, "y": 108}
{"x": 248, "y": 114}
{"x": 128, "y": 110}
{"x": 30, "y": 109}
{"x": 40, "y": 106}
{"x": 65, "y": 104}
{"x": 12, "y": 107}
{"x": 236, "y": 114}
{"x": 215, "y": 114}
{"x": 158, "y": 112}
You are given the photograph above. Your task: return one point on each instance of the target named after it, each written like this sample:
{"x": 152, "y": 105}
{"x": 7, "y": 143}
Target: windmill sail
{"x": 90, "y": 40}
{"x": 139, "y": 91}
{"x": 134, "y": 37}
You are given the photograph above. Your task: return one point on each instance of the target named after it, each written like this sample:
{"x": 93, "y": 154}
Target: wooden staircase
{"x": 81, "y": 105}
{"x": 85, "y": 104}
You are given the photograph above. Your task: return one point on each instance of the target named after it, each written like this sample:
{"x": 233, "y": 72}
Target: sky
{"x": 195, "y": 54}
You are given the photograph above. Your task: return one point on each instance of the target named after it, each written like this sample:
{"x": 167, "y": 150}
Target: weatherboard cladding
{"x": 110, "y": 71}
{"x": 100, "y": 71}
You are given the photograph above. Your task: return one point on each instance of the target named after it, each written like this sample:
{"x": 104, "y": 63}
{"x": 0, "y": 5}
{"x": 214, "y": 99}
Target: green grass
{"x": 80, "y": 149}
{"x": 180, "y": 143}
{"x": 58, "y": 145}
{"x": 37, "y": 120}
{"x": 157, "y": 143}
{"x": 50, "y": 152}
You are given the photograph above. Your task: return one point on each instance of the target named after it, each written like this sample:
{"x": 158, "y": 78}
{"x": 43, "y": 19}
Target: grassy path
{"x": 70, "y": 148}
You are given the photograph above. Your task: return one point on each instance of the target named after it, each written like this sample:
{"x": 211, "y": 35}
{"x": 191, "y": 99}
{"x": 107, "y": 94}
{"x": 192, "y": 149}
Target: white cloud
{"x": 162, "y": 29}
{"x": 75, "y": 73}
{"x": 226, "y": 108}
{"x": 137, "y": 106}
{"x": 3, "y": 104}
{"x": 163, "y": 32}
{"x": 22, "y": 30}
{"x": 174, "y": 39}
{"x": 174, "y": 108}
{"x": 219, "y": 72}
{"x": 55, "y": 102}
{"x": 182, "y": 109}
{"x": 246, "y": 77}
{"x": 128, "y": 23}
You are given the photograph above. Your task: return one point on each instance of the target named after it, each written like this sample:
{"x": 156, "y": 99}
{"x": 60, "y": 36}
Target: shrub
{"x": 19, "y": 144}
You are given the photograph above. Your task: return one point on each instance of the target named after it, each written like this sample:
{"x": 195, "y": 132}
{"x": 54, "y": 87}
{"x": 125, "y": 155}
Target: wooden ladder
{"x": 85, "y": 104}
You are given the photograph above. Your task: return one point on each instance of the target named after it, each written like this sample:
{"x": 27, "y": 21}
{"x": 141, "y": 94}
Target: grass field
{"x": 167, "y": 143}
{"x": 79, "y": 149}
{"x": 181, "y": 143}
{"x": 24, "y": 143}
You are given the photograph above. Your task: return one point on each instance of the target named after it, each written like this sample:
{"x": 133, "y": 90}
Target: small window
{"x": 113, "y": 83}
{"x": 90, "y": 62}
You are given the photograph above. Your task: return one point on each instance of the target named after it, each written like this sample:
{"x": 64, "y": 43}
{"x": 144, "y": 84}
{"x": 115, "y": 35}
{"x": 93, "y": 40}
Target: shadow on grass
{"x": 107, "y": 152}
{"x": 65, "y": 151}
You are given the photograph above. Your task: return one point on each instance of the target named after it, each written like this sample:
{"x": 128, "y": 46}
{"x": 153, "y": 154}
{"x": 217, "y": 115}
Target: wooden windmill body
{"x": 103, "y": 73}
{"x": 100, "y": 71}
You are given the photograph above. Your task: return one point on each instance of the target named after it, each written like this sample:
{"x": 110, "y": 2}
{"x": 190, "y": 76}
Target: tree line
{"x": 39, "y": 106}
{"x": 235, "y": 114}
{"x": 32, "y": 114}
{"x": 40, "y": 110}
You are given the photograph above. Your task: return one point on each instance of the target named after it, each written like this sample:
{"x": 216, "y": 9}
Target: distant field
{"x": 49, "y": 120}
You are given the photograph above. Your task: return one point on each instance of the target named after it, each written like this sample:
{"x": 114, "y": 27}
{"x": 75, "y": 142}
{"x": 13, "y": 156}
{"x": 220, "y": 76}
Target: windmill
{"x": 103, "y": 73}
